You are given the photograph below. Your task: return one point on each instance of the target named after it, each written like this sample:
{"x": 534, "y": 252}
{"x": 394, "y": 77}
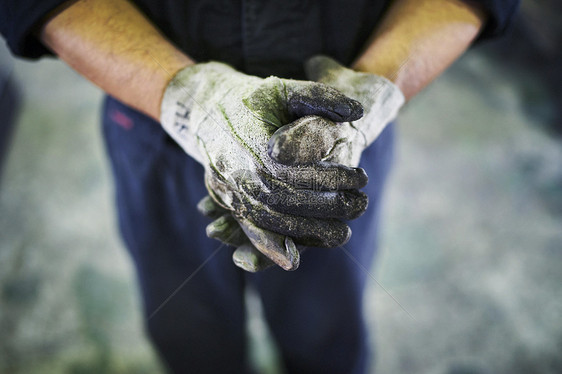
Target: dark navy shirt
{"x": 260, "y": 37}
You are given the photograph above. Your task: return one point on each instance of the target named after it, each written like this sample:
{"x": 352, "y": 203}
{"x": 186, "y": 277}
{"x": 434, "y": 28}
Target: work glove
{"x": 313, "y": 139}
{"x": 342, "y": 142}
{"x": 226, "y": 229}
{"x": 224, "y": 120}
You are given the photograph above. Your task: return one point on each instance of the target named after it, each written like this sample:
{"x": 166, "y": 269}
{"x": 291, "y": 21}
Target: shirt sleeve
{"x": 500, "y": 16}
{"x": 18, "y": 22}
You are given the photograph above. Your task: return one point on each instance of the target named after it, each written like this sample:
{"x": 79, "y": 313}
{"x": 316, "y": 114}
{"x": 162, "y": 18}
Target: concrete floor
{"x": 471, "y": 248}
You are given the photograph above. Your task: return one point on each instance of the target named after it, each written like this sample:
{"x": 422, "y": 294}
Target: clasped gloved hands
{"x": 224, "y": 119}
{"x": 314, "y": 139}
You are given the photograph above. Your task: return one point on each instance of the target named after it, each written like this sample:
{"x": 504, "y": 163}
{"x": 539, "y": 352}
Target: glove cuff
{"x": 185, "y": 92}
{"x": 385, "y": 101}
{"x": 380, "y": 98}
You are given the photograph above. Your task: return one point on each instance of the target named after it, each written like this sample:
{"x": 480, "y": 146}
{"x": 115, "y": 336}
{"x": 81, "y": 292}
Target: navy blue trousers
{"x": 314, "y": 313}
{"x": 9, "y": 107}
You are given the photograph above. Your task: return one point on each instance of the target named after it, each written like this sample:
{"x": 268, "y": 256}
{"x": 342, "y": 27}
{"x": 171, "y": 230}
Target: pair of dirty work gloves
{"x": 280, "y": 155}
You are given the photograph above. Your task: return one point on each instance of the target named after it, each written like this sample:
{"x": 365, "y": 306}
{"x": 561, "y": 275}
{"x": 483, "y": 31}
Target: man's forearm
{"x": 113, "y": 45}
{"x": 418, "y": 40}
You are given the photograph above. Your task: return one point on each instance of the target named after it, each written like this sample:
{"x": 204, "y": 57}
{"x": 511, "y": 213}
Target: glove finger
{"x": 226, "y": 229}
{"x": 309, "y": 140}
{"x": 278, "y": 248}
{"x": 322, "y": 176}
{"x": 347, "y": 204}
{"x": 309, "y": 231}
{"x": 209, "y": 208}
{"x": 248, "y": 258}
{"x": 311, "y": 98}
